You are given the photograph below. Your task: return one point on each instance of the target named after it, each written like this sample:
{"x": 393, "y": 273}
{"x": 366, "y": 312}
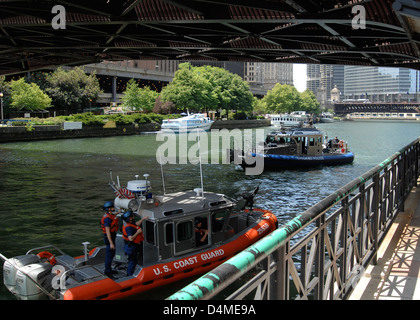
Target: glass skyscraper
{"x": 377, "y": 84}
{"x": 370, "y": 81}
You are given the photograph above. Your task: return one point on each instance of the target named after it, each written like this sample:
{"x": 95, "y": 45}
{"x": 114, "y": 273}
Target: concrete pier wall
{"x": 15, "y": 133}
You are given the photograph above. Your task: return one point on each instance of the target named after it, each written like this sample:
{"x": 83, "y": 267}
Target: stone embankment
{"x": 16, "y": 133}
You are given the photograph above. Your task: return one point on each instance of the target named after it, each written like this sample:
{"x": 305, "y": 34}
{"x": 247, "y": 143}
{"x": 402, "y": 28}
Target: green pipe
{"x": 225, "y": 274}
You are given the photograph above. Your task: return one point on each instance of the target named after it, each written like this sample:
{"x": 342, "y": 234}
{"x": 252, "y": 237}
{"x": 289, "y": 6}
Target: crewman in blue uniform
{"x": 133, "y": 240}
{"x": 109, "y": 225}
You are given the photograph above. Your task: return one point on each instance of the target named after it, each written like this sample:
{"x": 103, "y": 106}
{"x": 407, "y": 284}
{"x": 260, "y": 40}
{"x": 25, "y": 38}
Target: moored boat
{"x": 172, "y": 248}
{"x": 326, "y": 117}
{"x": 294, "y": 119}
{"x": 297, "y": 148}
{"x": 187, "y": 123}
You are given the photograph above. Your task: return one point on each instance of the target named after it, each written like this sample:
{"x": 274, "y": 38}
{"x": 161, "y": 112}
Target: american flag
{"x": 122, "y": 192}
{"x": 126, "y": 193}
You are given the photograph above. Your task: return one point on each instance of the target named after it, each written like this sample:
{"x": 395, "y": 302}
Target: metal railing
{"x": 321, "y": 253}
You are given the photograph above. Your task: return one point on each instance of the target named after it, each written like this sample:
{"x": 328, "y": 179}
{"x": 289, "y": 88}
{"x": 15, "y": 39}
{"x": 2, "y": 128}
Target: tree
{"x": 148, "y": 98}
{"x": 309, "y": 102}
{"x": 26, "y": 96}
{"x": 139, "y": 99}
{"x": 242, "y": 99}
{"x": 72, "y": 90}
{"x": 5, "y": 90}
{"x": 230, "y": 90}
{"x": 207, "y": 88}
{"x": 189, "y": 90}
{"x": 259, "y": 106}
{"x": 130, "y": 98}
{"x": 163, "y": 107}
{"x": 282, "y": 99}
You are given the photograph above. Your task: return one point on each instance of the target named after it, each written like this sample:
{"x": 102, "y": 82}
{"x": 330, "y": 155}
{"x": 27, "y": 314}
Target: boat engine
{"x": 11, "y": 267}
{"x": 23, "y": 275}
{"x": 30, "y": 278}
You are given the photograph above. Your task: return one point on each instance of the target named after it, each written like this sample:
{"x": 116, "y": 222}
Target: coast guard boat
{"x": 173, "y": 248}
{"x": 187, "y": 124}
{"x": 297, "y": 148}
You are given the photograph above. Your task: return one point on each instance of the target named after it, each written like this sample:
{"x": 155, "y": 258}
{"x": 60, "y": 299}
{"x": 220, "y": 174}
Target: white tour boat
{"x": 294, "y": 119}
{"x": 188, "y": 123}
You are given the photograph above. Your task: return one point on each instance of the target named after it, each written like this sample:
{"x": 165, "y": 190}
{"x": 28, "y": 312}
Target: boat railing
{"x": 45, "y": 247}
{"x": 320, "y": 254}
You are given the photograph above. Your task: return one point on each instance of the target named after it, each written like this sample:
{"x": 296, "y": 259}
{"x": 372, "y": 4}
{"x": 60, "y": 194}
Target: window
{"x": 311, "y": 142}
{"x": 150, "y": 232}
{"x": 218, "y": 219}
{"x": 169, "y": 233}
{"x": 184, "y": 230}
{"x": 175, "y": 211}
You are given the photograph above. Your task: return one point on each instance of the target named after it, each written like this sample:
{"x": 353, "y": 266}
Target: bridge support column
{"x": 114, "y": 89}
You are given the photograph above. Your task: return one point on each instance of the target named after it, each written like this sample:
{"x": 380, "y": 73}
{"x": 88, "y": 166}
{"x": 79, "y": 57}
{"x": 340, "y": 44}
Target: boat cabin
{"x": 179, "y": 221}
{"x": 298, "y": 141}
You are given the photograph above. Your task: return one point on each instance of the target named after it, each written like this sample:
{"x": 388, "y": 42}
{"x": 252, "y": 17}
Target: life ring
{"x": 47, "y": 255}
{"x": 341, "y": 143}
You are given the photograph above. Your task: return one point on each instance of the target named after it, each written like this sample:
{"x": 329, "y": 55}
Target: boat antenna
{"x": 201, "y": 169}
{"x": 110, "y": 173}
{"x": 161, "y": 171}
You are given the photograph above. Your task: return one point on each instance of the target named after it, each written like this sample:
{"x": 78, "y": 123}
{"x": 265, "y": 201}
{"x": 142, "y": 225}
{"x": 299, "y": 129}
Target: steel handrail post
{"x": 376, "y": 220}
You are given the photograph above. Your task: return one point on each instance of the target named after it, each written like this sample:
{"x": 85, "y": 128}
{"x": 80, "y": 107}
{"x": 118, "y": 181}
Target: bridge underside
{"x": 288, "y": 31}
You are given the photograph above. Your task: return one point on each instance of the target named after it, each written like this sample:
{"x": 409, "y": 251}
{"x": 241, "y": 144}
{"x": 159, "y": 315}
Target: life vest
{"x": 114, "y": 223}
{"x": 199, "y": 231}
{"x": 137, "y": 239}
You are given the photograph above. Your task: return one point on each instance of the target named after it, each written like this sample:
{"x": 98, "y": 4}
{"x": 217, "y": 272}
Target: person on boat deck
{"x": 133, "y": 240}
{"x": 109, "y": 225}
{"x": 201, "y": 233}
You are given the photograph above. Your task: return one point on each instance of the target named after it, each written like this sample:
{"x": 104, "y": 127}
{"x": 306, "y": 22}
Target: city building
{"x": 267, "y": 75}
{"x": 321, "y": 79}
{"x": 380, "y": 84}
{"x": 374, "y": 84}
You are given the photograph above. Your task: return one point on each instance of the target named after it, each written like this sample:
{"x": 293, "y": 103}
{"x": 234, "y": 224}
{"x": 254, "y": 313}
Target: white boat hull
{"x": 181, "y": 129}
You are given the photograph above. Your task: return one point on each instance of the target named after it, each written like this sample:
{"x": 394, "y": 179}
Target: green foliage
{"x": 120, "y": 119}
{"x": 5, "y": 89}
{"x": 282, "y": 99}
{"x": 309, "y": 102}
{"x": 207, "y": 88}
{"x": 285, "y": 99}
{"x": 26, "y": 96}
{"x": 259, "y": 106}
{"x": 39, "y": 121}
{"x": 72, "y": 90}
{"x": 138, "y": 99}
{"x": 189, "y": 90}
{"x": 141, "y": 118}
{"x": 88, "y": 119}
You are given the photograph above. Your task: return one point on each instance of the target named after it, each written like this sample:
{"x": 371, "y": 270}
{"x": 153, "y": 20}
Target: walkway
{"x": 397, "y": 273}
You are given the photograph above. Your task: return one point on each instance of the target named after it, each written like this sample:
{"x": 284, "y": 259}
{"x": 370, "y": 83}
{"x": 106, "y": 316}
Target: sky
{"x": 299, "y": 76}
